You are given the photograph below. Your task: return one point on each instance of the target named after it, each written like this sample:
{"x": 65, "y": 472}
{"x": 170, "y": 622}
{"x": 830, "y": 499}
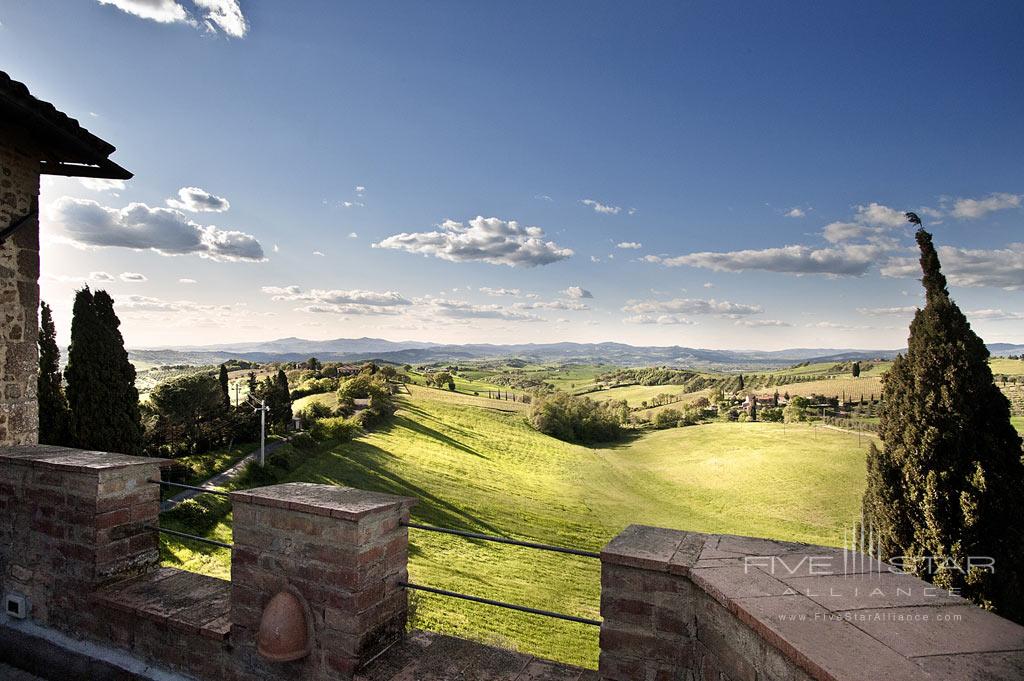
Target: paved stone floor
{"x": 425, "y": 656}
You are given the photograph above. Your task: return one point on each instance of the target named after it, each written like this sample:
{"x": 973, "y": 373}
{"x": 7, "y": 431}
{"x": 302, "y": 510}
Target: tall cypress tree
{"x": 946, "y": 484}
{"x": 101, "y": 381}
{"x": 283, "y": 399}
{"x": 225, "y": 392}
{"x": 53, "y": 406}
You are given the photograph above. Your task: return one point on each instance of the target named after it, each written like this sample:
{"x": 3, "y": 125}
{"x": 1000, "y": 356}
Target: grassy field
{"x": 636, "y": 394}
{"x": 1018, "y": 423}
{"x": 1010, "y": 367}
{"x": 474, "y": 467}
{"x": 330, "y": 399}
{"x": 852, "y": 387}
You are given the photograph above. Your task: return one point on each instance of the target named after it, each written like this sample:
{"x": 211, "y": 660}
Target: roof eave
{"x": 105, "y": 169}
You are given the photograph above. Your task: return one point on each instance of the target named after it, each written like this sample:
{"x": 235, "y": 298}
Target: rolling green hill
{"x": 477, "y": 468}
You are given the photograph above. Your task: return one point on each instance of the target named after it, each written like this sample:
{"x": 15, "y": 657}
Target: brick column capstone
{"x": 343, "y": 550}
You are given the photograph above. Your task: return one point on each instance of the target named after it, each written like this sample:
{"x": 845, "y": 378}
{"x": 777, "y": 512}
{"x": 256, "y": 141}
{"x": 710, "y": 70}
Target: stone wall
{"x": 343, "y": 550}
{"x": 19, "y": 291}
{"x": 71, "y": 521}
{"x": 683, "y": 605}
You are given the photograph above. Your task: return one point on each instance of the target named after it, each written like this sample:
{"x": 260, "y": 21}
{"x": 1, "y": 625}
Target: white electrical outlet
{"x": 16, "y": 605}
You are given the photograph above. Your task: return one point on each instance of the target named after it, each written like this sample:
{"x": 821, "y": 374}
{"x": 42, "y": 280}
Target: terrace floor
{"x": 424, "y": 656}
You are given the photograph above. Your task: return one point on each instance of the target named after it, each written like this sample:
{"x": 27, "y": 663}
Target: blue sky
{"x": 702, "y": 174}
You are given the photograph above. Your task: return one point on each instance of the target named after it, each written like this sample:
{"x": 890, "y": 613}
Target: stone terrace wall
{"x": 682, "y": 605}
{"x": 19, "y": 291}
{"x": 344, "y": 550}
{"x": 70, "y": 521}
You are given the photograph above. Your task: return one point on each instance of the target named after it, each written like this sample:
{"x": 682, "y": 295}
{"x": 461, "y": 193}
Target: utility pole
{"x": 262, "y": 409}
{"x": 263, "y": 432}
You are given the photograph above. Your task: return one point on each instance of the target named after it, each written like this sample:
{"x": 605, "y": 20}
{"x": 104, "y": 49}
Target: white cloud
{"x": 459, "y": 309}
{"x": 336, "y": 296}
{"x": 151, "y": 304}
{"x": 360, "y": 190}
{"x": 225, "y": 15}
{"x": 162, "y": 11}
{"x": 838, "y": 232}
{"x": 662, "y": 319}
{"x": 100, "y": 184}
{"x": 186, "y": 281}
{"x": 601, "y": 207}
{"x": 577, "y": 292}
{"x": 353, "y": 235}
{"x": 997, "y": 268}
{"x": 722, "y": 308}
{"x": 319, "y": 254}
{"x": 877, "y": 215}
{"x": 552, "y": 305}
{"x": 543, "y": 197}
{"x": 761, "y": 322}
{"x": 795, "y": 212}
{"x": 629, "y": 244}
{"x": 995, "y": 315}
{"x": 98, "y": 277}
{"x": 833, "y": 325}
{"x": 140, "y": 227}
{"x": 133, "y": 277}
{"x": 213, "y": 15}
{"x": 972, "y": 209}
{"x": 337, "y": 301}
{"x": 899, "y": 311}
{"x": 594, "y": 258}
{"x": 490, "y": 240}
{"x": 848, "y": 259}
{"x": 514, "y": 292}
{"x": 197, "y": 200}
{"x": 708, "y": 284}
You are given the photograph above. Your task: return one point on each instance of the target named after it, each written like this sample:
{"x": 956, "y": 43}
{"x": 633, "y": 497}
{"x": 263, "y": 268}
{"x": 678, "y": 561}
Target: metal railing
{"x": 504, "y": 540}
{"x": 186, "y": 535}
{"x": 489, "y": 601}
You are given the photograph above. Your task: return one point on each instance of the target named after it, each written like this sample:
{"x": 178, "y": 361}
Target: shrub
{"x": 198, "y": 515}
{"x": 796, "y": 410}
{"x": 667, "y": 418}
{"x": 771, "y": 414}
{"x": 579, "y": 419}
{"x": 303, "y": 442}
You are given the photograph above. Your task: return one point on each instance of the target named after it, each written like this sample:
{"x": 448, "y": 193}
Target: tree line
{"x": 94, "y": 404}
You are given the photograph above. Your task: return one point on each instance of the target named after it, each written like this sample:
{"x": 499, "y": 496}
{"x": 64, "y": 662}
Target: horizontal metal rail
{"x": 501, "y": 604}
{"x": 192, "y": 487}
{"x": 504, "y": 540}
{"x": 175, "y": 533}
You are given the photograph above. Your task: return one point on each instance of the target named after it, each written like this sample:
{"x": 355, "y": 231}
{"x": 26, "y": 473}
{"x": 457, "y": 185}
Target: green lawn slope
{"x": 480, "y": 469}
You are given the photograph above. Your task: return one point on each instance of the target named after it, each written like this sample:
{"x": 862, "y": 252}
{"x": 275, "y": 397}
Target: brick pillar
{"x": 342, "y": 549}
{"x": 19, "y": 292}
{"x": 71, "y": 520}
{"x": 649, "y": 606}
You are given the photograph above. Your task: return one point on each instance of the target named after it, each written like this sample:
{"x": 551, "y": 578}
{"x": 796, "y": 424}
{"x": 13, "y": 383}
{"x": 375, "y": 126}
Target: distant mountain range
{"x": 410, "y": 352}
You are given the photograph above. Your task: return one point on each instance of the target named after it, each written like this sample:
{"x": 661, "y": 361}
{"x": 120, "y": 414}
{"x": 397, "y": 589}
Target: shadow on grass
{"x": 626, "y": 441}
{"x": 365, "y": 466}
{"x": 418, "y": 427}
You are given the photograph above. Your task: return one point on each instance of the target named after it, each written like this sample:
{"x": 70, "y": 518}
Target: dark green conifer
{"x": 53, "y": 405}
{"x": 101, "y": 391}
{"x": 225, "y": 392}
{"x": 946, "y": 484}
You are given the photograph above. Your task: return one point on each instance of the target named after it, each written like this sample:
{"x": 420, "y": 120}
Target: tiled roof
{"x": 71, "y": 149}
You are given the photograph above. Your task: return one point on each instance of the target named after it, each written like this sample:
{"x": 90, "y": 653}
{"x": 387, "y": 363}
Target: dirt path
{"x": 221, "y": 478}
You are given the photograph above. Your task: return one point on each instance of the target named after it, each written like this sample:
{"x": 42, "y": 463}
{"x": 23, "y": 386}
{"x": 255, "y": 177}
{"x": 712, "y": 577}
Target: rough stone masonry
{"x": 19, "y": 290}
